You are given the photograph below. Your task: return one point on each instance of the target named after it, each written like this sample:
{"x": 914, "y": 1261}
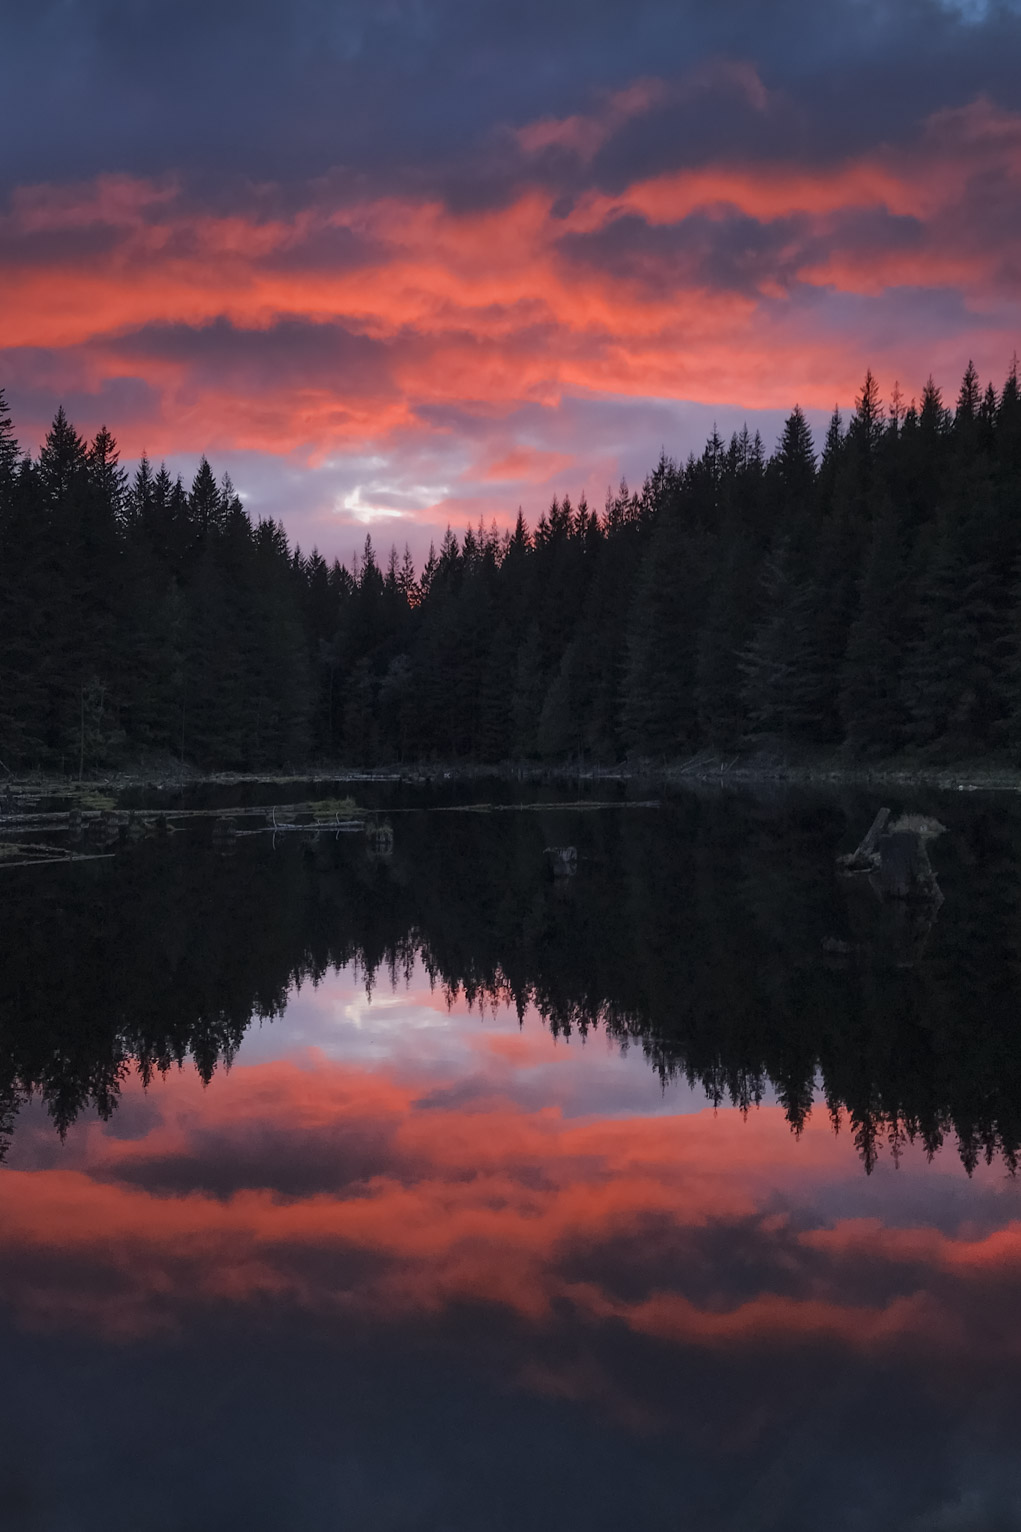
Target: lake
{"x": 406, "y": 1183}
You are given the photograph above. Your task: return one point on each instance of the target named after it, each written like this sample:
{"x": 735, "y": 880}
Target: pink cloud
{"x": 524, "y": 465}
{"x": 451, "y": 1203}
{"x": 492, "y": 310}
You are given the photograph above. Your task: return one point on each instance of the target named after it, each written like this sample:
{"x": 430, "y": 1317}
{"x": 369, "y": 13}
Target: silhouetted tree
{"x": 867, "y": 600}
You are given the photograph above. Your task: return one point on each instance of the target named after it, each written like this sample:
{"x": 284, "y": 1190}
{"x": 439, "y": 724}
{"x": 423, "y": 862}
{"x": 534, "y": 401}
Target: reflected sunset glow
{"x": 461, "y": 1174}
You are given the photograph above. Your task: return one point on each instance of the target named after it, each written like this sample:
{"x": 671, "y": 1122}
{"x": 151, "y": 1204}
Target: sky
{"x": 399, "y": 264}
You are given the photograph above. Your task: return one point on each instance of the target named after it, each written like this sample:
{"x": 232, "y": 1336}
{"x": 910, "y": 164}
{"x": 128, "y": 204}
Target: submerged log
{"x": 562, "y": 861}
{"x": 225, "y": 835}
{"x": 380, "y": 839}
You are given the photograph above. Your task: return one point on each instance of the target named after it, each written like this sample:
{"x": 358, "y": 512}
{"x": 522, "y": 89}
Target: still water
{"x": 421, "y": 1189}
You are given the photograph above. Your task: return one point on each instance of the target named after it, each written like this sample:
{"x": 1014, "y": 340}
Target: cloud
{"x": 583, "y": 134}
{"x": 692, "y": 1292}
{"x": 346, "y": 1192}
{"x": 524, "y": 465}
{"x": 406, "y": 88}
{"x": 677, "y": 239}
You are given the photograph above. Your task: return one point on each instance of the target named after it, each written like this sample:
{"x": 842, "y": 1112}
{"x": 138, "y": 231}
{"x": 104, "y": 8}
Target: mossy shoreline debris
{"x": 99, "y": 827}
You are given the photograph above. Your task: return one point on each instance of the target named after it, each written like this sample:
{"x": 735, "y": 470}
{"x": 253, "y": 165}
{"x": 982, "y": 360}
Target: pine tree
{"x": 360, "y": 734}
{"x": 106, "y": 476}
{"x": 9, "y": 450}
{"x": 27, "y": 649}
{"x": 528, "y": 694}
{"x": 795, "y": 463}
{"x": 832, "y": 458}
{"x": 867, "y": 423}
{"x": 723, "y": 637}
{"x": 779, "y": 659}
{"x": 394, "y": 708}
{"x": 205, "y": 502}
{"x": 496, "y": 700}
{"x": 950, "y": 672}
{"x": 139, "y": 499}
{"x": 969, "y": 398}
{"x": 659, "y": 715}
{"x": 871, "y": 700}
{"x": 934, "y": 417}
{"x": 557, "y": 733}
{"x": 62, "y": 462}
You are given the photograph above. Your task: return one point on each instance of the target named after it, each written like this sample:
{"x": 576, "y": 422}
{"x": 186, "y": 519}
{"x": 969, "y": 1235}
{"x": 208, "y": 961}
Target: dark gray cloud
{"x": 85, "y": 245}
{"x": 735, "y": 253}
{"x": 37, "y": 379}
{"x": 731, "y": 251}
{"x": 291, "y": 351}
{"x": 416, "y": 87}
{"x": 337, "y": 1159}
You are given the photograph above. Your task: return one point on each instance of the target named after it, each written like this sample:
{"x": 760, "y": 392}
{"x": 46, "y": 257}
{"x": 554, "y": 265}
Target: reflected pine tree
{"x": 712, "y": 935}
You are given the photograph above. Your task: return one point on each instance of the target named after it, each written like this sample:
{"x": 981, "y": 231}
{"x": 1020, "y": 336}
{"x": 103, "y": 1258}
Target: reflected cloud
{"x": 350, "y": 1193}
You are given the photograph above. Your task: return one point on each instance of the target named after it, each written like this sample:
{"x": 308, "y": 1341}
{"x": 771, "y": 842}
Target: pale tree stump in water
{"x": 893, "y": 894}
{"x": 895, "y": 857}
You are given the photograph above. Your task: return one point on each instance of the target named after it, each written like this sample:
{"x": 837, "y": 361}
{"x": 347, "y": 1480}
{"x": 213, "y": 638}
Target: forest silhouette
{"x": 865, "y": 599}
{"x": 712, "y": 934}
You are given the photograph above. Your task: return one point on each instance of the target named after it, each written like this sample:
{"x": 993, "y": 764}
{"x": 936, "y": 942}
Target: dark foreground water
{"x": 422, "y": 1190}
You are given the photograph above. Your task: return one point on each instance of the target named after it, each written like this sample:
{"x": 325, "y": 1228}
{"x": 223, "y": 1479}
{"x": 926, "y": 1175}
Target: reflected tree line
{"x": 712, "y": 934}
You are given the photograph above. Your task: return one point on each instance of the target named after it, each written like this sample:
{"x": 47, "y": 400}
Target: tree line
{"x": 865, "y": 597}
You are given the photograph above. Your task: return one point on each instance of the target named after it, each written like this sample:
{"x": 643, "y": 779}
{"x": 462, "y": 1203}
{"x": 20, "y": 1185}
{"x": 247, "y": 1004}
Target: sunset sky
{"x": 399, "y": 263}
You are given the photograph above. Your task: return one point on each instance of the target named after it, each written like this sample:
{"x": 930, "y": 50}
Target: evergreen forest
{"x": 861, "y": 597}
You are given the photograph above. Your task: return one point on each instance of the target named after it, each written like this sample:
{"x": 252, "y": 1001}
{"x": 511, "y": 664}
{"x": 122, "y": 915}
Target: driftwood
{"x": 33, "y": 854}
{"x": 78, "y": 818}
{"x": 104, "y": 829}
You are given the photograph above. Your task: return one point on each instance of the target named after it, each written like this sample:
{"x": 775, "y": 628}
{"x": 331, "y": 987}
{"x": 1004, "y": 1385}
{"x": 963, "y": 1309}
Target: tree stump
{"x": 894, "y": 856}
{"x": 864, "y": 858}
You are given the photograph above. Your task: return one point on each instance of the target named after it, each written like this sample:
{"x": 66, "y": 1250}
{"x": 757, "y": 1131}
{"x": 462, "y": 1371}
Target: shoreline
{"x": 697, "y": 771}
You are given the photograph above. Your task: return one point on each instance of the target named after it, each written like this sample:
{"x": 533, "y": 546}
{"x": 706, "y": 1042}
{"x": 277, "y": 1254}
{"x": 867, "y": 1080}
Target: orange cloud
{"x": 526, "y": 465}
{"x": 585, "y": 134}
{"x": 489, "y": 1202}
{"x": 489, "y": 309}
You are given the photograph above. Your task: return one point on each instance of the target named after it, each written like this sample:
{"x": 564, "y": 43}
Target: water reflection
{"x": 404, "y": 1267}
{"x": 711, "y": 935}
